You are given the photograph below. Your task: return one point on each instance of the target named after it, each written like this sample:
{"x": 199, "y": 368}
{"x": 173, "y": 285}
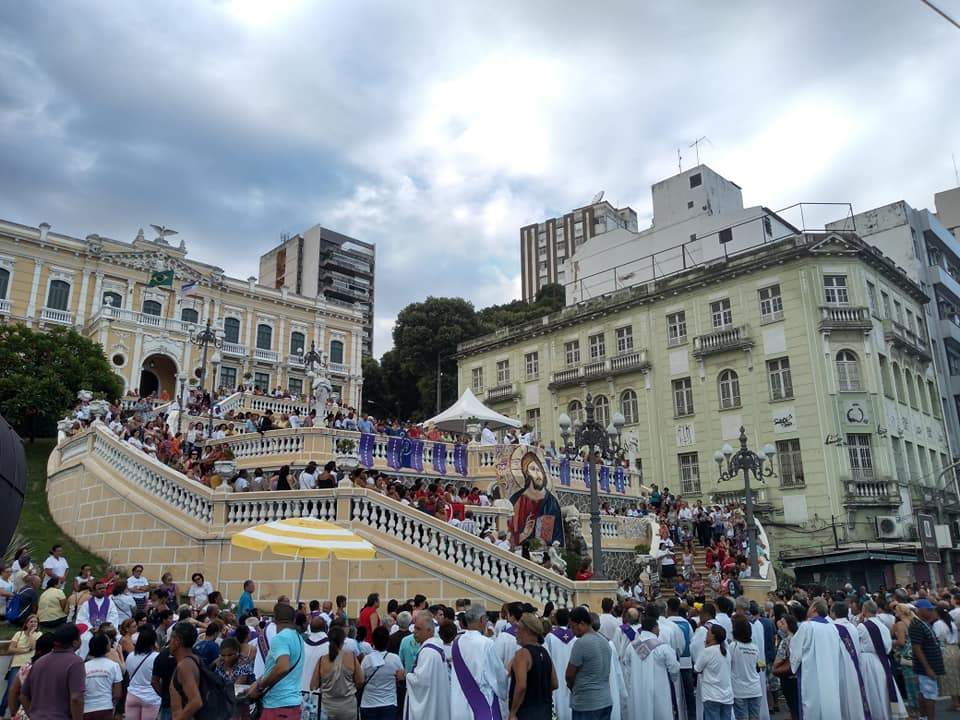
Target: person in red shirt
{"x": 585, "y": 573}
{"x": 414, "y": 432}
{"x": 369, "y": 618}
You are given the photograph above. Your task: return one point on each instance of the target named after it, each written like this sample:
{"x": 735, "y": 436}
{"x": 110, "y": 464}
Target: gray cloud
{"x": 438, "y": 131}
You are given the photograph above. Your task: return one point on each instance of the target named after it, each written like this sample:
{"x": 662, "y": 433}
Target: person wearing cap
{"x": 280, "y": 684}
{"x": 927, "y": 656}
{"x": 479, "y": 678}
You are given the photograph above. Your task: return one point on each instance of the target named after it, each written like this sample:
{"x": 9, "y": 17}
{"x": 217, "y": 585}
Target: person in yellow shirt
{"x": 21, "y": 647}
{"x": 52, "y": 606}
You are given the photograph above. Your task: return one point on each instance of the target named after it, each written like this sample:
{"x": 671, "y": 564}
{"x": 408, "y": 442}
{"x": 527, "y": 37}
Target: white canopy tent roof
{"x": 469, "y": 410}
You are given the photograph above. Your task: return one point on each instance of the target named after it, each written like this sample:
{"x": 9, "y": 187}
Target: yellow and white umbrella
{"x": 304, "y": 538}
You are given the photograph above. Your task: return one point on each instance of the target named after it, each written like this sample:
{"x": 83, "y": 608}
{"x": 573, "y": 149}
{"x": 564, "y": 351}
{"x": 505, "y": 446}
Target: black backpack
{"x": 219, "y": 701}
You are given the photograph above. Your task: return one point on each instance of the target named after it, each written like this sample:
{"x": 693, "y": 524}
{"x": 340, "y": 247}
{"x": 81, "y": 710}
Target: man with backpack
{"x": 23, "y": 603}
{"x": 196, "y": 691}
{"x": 279, "y": 687}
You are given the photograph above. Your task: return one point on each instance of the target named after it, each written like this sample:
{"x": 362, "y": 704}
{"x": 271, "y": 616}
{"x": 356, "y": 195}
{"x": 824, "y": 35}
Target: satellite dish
{"x": 597, "y": 198}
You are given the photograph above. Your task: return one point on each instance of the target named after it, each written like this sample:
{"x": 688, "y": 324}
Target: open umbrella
{"x": 304, "y": 538}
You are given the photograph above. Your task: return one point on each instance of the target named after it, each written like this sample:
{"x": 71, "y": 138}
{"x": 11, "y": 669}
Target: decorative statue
{"x": 633, "y": 448}
{"x": 320, "y": 389}
{"x": 571, "y": 521}
{"x": 556, "y": 559}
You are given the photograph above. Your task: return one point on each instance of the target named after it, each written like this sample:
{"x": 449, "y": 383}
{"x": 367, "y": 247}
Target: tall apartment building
{"x": 698, "y": 216}
{"x": 920, "y": 243}
{"x": 544, "y": 246}
{"x": 790, "y": 339}
{"x": 324, "y": 263}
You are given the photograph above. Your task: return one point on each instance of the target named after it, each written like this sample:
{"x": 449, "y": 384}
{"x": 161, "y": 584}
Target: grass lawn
{"x": 37, "y": 525}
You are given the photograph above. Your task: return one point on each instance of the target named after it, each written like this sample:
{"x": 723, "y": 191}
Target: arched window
{"x": 728, "y": 385}
{"x": 297, "y": 343}
{"x": 601, "y": 410}
{"x": 898, "y": 383}
{"x": 575, "y": 411}
{"x": 113, "y": 299}
{"x": 629, "y": 407}
{"x": 911, "y": 389}
{"x": 189, "y": 315}
{"x": 848, "y": 372}
{"x": 152, "y": 307}
{"x": 264, "y": 337}
{"x": 336, "y": 351}
{"x": 231, "y": 330}
{"x": 58, "y": 298}
{"x": 4, "y": 282}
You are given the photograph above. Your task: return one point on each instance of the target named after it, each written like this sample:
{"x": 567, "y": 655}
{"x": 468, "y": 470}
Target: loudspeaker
{"x": 13, "y": 481}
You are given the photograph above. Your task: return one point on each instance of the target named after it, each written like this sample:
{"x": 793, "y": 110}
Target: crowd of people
{"x": 120, "y": 645}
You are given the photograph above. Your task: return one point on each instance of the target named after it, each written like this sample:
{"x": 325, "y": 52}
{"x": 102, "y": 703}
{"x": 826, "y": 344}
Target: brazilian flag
{"x": 161, "y": 278}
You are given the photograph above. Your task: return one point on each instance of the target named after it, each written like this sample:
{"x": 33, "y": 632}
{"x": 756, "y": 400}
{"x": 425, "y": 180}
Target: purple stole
{"x": 852, "y": 652}
{"x": 644, "y": 648}
{"x": 878, "y": 648}
{"x": 432, "y": 647}
{"x": 511, "y": 630}
{"x": 564, "y": 635}
{"x": 98, "y": 615}
{"x": 263, "y": 644}
{"x": 629, "y": 632}
{"x": 481, "y": 709}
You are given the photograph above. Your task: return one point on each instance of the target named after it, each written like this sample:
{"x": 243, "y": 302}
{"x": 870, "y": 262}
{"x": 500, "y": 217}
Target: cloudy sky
{"x": 437, "y": 129}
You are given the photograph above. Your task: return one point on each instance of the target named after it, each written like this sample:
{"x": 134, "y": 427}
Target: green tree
{"x": 41, "y": 372}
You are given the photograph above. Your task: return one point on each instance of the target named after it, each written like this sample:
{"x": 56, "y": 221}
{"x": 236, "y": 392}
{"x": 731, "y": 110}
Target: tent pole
{"x": 303, "y": 562}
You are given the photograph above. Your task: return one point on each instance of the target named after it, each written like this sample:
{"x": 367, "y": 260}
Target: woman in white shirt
{"x": 745, "y": 679}
{"x": 945, "y": 629}
{"x": 713, "y": 667}
{"x": 139, "y": 586}
{"x": 381, "y": 671}
{"x": 104, "y": 683}
{"x": 199, "y": 591}
{"x": 143, "y": 703}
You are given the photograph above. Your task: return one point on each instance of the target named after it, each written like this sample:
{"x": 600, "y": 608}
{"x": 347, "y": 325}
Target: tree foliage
{"x": 41, "y": 372}
{"x": 404, "y": 383}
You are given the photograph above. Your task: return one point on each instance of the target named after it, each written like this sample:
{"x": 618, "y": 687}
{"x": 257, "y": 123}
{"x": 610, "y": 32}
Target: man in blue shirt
{"x": 280, "y": 684}
{"x": 245, "y": 604}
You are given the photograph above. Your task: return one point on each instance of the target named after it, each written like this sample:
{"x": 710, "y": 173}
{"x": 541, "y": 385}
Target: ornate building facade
{"x": 102, "y": 288}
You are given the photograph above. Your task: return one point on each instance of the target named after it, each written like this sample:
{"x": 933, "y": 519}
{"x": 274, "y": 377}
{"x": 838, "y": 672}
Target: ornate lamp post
{"x": 204, "y": 338}
{"x": 596, "y": 439}
{"x": 756, "y": 465}
{"x": 181, "y": 400}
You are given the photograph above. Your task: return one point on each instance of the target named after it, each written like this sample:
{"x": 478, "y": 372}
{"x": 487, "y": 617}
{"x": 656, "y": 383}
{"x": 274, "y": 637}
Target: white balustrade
{"x": 230, "y": 348}
{"x": 262, "y": 403}
{"x": 61, "y": 317}
{"x": 270, "y": 356}
{"x": 231, "y": 402}
{"x": 5, "y": 307}
{"x": 256, "y": 445}
{"x": 295, "y": 360}
{"x": 339, "y": 368}
{"x": 258, "y": 508}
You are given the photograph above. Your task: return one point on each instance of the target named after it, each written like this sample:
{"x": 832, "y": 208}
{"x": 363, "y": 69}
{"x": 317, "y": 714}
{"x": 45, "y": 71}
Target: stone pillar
{"x": 97, "y": 293}
{"x": 82, "y": 302}
{"x": 32, "y": 304}
{"x": 136, "y": 361}
{"x": 129, "y": 302}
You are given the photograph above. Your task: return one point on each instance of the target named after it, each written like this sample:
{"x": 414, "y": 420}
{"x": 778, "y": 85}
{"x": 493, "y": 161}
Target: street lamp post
{"x": 181, "y": 400}
{"x": 596, "y": 439}
{"x": 204, "y": 338}
{"x": 752, "y": 464}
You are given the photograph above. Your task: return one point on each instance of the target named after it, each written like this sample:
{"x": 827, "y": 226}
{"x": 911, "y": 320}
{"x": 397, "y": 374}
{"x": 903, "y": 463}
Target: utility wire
{"x": 941, "y": 13}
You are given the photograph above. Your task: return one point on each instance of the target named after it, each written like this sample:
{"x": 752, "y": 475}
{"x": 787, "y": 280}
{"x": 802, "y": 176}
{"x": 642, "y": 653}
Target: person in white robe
{"x": 627, "y": 632}
{"x": 671, "y": 634}
{"x": 98, "y": 610}
{"x": 559, "y": 642}
{"x": 686, "y": 663}
{"x": 618, "y": 686}
{"x": 651, "y": 668}
{"x": 852, "y": 692}
{"x": 815, "y": 652}
{"x": 315, "y": 644}
{"x": 875, "y": 645}
{"x": 506, "y": 642}
{"x": 475, "y": 662}
{"x": 428, "y": 684}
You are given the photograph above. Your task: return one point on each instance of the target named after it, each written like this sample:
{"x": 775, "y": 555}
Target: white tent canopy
{"x": 468, "y": 410}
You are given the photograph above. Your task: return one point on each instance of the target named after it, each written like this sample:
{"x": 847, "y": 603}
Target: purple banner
{"x": 414, "y": 458}
{"x": 394, "y": 448}
{"x": 604, "y": 477}
{"x": 460, "y": 458}
{"x": 620, "y": 479}
{"x": 440, "y": 458}
{"x": 365, "y": 451}
{"x": 565, "y": 471}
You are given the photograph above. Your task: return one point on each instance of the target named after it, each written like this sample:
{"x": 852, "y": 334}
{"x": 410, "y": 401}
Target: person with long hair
{"x": 714, "y": 670}
{"x": 22, "y": 647}
{"x": 143, "y": 702}
{"x": 903, "y": 651}
{"x": 382, "y": 670}
{"x": 786, "y": 629}
{"x": 104, "y": 681}
{"x": 13, "y": 708}
{"x": 281, "y": 481}
{"x": 945, "y": 630}
{"x": 338, "y": 676}
{"x": 745, "y": 680}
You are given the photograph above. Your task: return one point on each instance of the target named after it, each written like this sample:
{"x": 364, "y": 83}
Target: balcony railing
{"x": 61, "y": 317}
{"x": 230, "y": 348}
{"x": 122, "y": 315}
{"x": 734, "y": 338}
{"x": 339, "y": 368}
{"x": 570, "y": 376}
{"x": 270, "y": 356}
{"x": 906, "y": 340}
{"x": 505, "y": 391}
{"x": 4, "y": 307}
{"x": 633, "y": 360}
{"x": 834, "y": 318}
{"x": 863, "y": 488}
{"x": 295, "y": 360}
{"x": 595, "y": 369}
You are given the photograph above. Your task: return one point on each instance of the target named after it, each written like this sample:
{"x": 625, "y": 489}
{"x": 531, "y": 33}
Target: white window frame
{"x": 476, "y": 379}
{"x": 682, "y": 397}
{"x": 780, "y": 378}
{"x": 771, "y": 303}
{"x": 848, "y": 371}
{"x": 835, "y": 291}
{"x": 503, "y": 372}
{"x": 689, "y": 467}
{"x": 860, "y": 456}
{"x": 677, "y": 328}
{"x": 598, "y": 346}
{"x": 531, "y": 361}
{"x": 571, "y": 352}
{"x": 790, "y": 459}
{"x": 630, "y": 406}
{"x": 624, "y": 339}
{"x": 728, "y": 389}
{"x": 721, "y": 314}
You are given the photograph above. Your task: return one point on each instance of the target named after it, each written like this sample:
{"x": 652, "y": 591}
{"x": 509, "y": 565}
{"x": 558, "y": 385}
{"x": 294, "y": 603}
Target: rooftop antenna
{"x": 696, "y": 145}
{"x": 956, "y": 173}
{"x": 679, "y": 161}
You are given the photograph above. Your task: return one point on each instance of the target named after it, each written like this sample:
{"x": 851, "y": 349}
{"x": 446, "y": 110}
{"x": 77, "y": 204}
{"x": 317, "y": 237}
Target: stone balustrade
{"x": 845, "y": 317}
{"x": 720, "y": 341}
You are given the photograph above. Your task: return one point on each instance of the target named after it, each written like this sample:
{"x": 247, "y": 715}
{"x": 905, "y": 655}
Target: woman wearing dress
{"x": 338, "y": 676}
{"x": 945, "y": 630}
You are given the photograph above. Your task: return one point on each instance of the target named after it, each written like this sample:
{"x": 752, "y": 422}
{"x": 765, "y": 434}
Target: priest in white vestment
{"x": 627, "y": 632}
{"x": 651, "y": 668}
{"x": 559, "y": 642}
{"x": 852, "y": 691}
{"x": 618, "y": 686}
{"x": 98, "y": 610}
{"x": 428, "y": 684}
{"x": 506, "y": 642}
{"x": 883, "y": 695}
{"x": 669, "y": 633}
{"x": 478, "y": 677}
{"x": 815, "y": 654}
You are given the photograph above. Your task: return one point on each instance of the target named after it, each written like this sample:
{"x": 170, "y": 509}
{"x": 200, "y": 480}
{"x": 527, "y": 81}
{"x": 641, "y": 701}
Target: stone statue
{"x": 556, "y": 559}
{"x": 633, "y": 448}
{"x": 320, "y": 390}
{"x": 571, "y": 521}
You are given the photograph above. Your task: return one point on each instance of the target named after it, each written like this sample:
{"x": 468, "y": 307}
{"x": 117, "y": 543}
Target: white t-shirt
{"x": 308, "y": 481}
{"x": 241, "y": 484}
{"x": 140, "y": 677}
{"x": 59, "y": 566}
{"x": 8, "y": 586}
{"x": 101, "y": 675}
{"x": 946, "y": 634}
{"x": 714, "y": 670}
{"x": 744, "y": 677}
{"x": 198, "y": 594}
{"x": 134, "y": 583}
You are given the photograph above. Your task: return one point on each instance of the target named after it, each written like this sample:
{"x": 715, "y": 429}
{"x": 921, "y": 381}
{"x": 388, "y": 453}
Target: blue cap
{"x": 924, "y": 604}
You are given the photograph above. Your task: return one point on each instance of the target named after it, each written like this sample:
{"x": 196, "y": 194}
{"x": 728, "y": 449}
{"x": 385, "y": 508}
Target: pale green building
{"x": 813, "y": 343}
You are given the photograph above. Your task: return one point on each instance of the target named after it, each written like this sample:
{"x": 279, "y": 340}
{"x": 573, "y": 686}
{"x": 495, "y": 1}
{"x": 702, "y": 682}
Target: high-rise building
{"x": 544, "y": 246}
{"x": 948, "y": 209}
{"x": 324, "y": 263}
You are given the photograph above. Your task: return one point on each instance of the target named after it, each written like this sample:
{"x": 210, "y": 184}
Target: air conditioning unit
{"x": 889, "y": 527}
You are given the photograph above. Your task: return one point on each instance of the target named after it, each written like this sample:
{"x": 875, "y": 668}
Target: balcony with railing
{"x": 721, "y": 341}
{"x": 950, "y": 330}
{"x": 4, "y": 307}
{"x": 265, "y": 355}
{"x": 631, "y": 361}
{"x": 595, "y": 369}
{"x": 863, "y": 488}
{"x": 906, "y": 340}
{"x": 339, "y": 368}
{"x": 838, "y": 318}
{"x": 60, "y": 317}
{"x": 295, "y": 360}
{"x": 503, "y": 391}
{"x": 123, "y": 316}
{"x": 568, "y": 376}
{"x": 235, "y": 349}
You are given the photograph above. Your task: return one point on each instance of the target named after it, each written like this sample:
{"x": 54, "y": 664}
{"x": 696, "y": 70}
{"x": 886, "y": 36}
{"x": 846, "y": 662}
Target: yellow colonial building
{"x": 101, "y": 287}
{"x": 815, "y": 343}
